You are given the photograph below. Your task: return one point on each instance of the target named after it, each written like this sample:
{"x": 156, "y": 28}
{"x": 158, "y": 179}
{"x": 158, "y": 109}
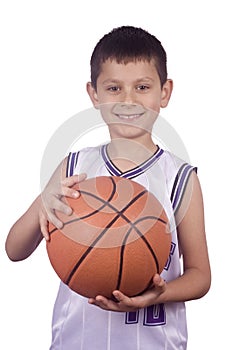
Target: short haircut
{"x": 128, "y": 44}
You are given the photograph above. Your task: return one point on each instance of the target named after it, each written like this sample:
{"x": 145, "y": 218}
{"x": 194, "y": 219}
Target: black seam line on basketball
{"x": 92, "y": 213}
{"x": 102, "y": 207}
{"x": 89, "y": 249}
{"x": 145, "y": 241}
{"x": 144, "y": 290}
{"x": 106, "y": 204}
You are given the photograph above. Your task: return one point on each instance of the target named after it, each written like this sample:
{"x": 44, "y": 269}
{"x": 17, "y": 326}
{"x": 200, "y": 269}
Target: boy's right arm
{"x": 26, "y": 234}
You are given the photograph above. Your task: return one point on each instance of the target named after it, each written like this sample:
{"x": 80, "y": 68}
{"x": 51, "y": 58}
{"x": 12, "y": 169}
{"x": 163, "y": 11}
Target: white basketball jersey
{"x": 78, "y": 325}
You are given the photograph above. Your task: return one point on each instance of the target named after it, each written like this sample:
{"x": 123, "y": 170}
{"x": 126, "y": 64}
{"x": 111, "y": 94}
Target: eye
{"x": 142, "y": 87}
{"x": 113, "y": 88}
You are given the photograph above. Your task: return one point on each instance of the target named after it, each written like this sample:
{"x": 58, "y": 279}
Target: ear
{"x": 166, "y": 93}
{"x": 92, "y": 94}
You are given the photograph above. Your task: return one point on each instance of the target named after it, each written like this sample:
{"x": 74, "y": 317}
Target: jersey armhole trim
{"x": 71, "y": 163}
{"x": 180, "y": 184}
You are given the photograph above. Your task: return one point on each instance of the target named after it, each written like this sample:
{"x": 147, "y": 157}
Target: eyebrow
{"x": 113, "y": 81}
{"x": 108, "y": 81}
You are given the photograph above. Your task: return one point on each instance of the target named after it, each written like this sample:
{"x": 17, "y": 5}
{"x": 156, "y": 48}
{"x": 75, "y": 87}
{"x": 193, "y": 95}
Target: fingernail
{"x": 69, "y": 211}
{"x": 60, "y": 225}
{"x": 75, "y": 194}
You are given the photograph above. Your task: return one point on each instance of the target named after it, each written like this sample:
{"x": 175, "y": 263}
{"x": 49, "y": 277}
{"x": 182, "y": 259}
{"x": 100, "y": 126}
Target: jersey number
{"x": 154, "y": 315}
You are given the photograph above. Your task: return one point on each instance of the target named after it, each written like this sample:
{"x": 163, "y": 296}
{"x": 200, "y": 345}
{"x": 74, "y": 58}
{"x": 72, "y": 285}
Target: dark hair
{"x": 126, "y": 44}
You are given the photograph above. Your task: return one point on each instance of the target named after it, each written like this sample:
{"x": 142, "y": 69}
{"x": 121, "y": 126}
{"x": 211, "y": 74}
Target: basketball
{"x": 117, "y": 238}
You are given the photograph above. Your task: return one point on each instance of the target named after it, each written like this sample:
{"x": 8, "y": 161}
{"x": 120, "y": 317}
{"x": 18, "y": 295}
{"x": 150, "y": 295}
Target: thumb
{"x": 44, "y": 226}
{"x": 159, "y": 282}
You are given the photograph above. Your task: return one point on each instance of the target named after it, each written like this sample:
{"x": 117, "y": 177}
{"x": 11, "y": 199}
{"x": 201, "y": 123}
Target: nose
{"x": 129, "y": 99}
{"x": 128, "y": 106}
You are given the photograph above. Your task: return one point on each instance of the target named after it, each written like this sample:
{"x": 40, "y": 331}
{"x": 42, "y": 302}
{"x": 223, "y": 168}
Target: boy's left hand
{"x": 127, "y": 304}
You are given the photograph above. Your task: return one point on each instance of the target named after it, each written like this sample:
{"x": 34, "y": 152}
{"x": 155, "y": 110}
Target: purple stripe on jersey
{"x": 131, "y": 173}
{"x": 181, "y": 185}
{"x": 144, "y": 166}
{"x": 176, "y": 182}
{"x": 72, "y": 162}
{"x": 67, "y": 166}
{"x": 111, "y": 168}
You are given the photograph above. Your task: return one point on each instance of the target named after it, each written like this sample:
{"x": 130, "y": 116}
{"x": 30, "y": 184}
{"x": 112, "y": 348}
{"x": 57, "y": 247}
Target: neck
{"x": 130, "y": 150}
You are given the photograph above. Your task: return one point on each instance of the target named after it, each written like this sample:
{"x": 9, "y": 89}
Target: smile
{"x": 129, "y": 116}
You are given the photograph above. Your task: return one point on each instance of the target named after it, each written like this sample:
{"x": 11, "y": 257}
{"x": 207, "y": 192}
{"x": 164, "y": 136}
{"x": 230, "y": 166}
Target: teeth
{"x": 132, "y": 116}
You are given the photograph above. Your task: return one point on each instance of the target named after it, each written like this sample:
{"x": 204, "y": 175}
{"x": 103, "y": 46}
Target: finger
{"x": 104, "y": 303}
{"x": 70, "y": 192}
{"x": 44, "y": 227}
{"x": 55, "y": 221}
{"x": 72, "y": 180}
{"x": 91, "y": 301}
{"x": 130, "y": 304}
{"x": 61, "y": 206}
{"x": 95, "y": 302}
{"x": 68, "y": 185}
{"x": 120, "y": 297}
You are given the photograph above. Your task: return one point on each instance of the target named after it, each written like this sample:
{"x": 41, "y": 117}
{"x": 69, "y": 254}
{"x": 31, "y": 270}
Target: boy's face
{"x": 129, "y": 96}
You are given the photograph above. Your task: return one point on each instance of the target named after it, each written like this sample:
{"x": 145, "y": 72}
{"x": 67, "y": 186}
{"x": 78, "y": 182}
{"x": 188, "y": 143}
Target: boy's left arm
{"x": 196, "y": 279}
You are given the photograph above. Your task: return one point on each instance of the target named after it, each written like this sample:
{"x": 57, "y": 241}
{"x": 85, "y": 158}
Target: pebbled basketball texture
{"x": 116, "y": 238}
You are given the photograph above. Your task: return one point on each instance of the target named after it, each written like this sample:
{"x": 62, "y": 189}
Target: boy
{"x": 129, "y": 85}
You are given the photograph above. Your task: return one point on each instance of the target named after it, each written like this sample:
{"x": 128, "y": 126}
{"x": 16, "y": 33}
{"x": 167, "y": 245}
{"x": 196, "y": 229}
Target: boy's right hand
{"x": 51, "y": 201}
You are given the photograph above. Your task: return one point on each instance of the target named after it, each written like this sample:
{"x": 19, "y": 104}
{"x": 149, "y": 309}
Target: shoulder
{"x": 74, "y": 158}
{"x": 86, "y": 150}
{"x": 173, "y": 163}
{"x": 178, "y": 172}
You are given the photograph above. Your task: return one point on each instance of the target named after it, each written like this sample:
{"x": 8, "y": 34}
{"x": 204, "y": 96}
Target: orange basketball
{"x": 116, "y": 238}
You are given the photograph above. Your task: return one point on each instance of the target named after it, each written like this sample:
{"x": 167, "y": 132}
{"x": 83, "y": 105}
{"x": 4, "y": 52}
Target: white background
{"x": 45, "y": 50}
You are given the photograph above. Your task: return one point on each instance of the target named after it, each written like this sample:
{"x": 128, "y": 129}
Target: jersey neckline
{"x": 114, "y": 171}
